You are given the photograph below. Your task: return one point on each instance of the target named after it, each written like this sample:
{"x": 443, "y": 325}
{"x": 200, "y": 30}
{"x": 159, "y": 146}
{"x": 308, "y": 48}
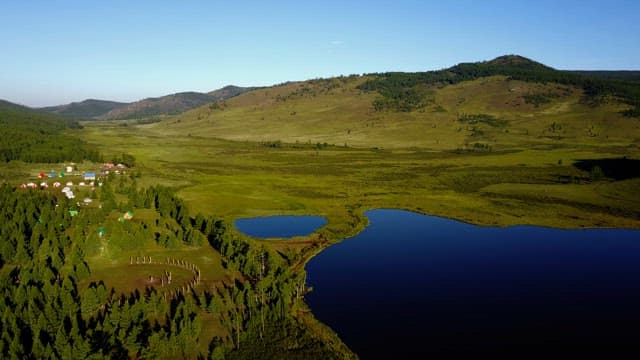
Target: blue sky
{"x": 55, "y": 52}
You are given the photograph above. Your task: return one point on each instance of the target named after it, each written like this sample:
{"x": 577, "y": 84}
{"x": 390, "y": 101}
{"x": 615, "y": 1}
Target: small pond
{"x": 284, "y": 226}
{"x": 411, "y": 285}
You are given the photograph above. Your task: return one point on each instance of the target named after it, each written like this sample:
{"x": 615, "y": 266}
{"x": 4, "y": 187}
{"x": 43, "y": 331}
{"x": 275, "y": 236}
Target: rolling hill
{"x": 165, "y": 105}
{"x": 482, "y": 106}
{"x": 35, "y": 136}
{"x": 86, "y": 109}
{"x": 172, "y": 104}
{"x": 229, "y": 91}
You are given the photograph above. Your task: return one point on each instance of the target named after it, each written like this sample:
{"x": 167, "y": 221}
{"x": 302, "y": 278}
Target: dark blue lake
{"x": 280, "y": 226}
{"x": 412, "y": 285}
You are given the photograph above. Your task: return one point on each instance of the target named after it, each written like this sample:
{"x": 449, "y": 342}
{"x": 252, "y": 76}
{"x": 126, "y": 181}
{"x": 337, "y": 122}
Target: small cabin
{"x": 89, "y": 176}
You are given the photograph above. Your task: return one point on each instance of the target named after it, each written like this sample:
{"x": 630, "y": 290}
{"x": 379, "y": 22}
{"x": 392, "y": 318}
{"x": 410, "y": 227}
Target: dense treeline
{"x": 46, "y": 313}
{"x": 402, "y": 91}
{"x": 624, "y": 75}
{"x": 259, "y": 312}
{"x": 33, "y": 136}
{"x": 43, "y": 312}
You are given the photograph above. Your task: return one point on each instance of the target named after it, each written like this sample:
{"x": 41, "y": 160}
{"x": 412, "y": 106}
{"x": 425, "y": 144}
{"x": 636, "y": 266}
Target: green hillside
{"x": 84, "y": 110}
{"x": 513, "y": 100}
{"x": 170, "y": 104}
{"x": 623, "y": 75}
{"x": 34, "y": 136}
{"x": 402, "y": 91}
{"x": 488, "y": 149}
{"x": 173, "y": 104}
{"x": 229, "y": 91}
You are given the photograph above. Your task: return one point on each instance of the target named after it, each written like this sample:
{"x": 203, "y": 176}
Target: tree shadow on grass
{"x": 614, "y": 168}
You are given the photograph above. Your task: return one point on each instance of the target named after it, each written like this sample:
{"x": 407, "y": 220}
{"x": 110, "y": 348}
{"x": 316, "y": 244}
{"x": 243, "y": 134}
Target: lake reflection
{"x": 411, "y": 285}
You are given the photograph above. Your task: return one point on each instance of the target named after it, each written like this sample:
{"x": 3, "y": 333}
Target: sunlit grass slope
{"x": 335, "y": 111}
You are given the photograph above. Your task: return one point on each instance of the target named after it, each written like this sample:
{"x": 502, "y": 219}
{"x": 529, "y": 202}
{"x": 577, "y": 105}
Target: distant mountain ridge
{"x": 399, "y": 91}
{"x": 86, "y": 109}
{"x": 92, "y": 109}
{"x": 164, "y": 105}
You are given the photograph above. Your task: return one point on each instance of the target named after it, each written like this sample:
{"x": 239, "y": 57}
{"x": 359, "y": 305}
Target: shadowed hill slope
{"x": 86, "y": 109}
{"x": 34, "y": 136}
{"x": 165, "y": 105}
{"x": 169, "y": 104}
{"x": 172, "y": 104}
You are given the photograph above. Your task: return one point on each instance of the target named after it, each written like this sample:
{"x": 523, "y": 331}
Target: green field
{"x": 518, "y": 169}
{"x": 490, "y": 151}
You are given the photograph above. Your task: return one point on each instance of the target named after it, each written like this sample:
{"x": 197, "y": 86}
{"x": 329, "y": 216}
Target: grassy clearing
{"x": 120, "y": 274}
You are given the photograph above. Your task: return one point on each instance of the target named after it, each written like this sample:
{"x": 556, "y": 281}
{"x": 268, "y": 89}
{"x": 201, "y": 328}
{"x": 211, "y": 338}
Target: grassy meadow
{"x": 478, "y": 152}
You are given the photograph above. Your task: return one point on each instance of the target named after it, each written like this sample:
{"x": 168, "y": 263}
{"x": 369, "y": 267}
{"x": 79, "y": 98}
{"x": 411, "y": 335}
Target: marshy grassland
{"x": 492, "y": 158}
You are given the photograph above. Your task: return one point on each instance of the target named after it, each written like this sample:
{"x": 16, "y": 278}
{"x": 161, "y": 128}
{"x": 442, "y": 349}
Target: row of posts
{"x": 165, "y": 279}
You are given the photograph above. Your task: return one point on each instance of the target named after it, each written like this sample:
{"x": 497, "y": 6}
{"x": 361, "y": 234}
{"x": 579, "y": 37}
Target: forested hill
{"x": 405, "y": 91}
{"x": 91, "y": 109}
{"x": 165, "y": 105}
{"x": 171, "y": 104}
{"x": 229, "y": 91}
{"x": 624, "y": 75}
{"x": 86, "y": 109}
{"x": 34, "y": 136}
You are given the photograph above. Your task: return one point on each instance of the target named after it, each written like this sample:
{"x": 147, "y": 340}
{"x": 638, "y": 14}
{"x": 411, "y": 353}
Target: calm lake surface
{"x": 412, "y": 285}
{"x": 280, "y": 226}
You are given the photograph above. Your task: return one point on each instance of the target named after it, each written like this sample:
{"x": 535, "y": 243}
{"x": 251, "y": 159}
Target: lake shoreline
{"x": 525, "y": 228}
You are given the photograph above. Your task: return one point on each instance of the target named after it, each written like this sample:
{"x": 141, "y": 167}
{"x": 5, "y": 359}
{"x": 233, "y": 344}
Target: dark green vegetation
{"x": 623, "y": 75}
{"x": 47, "y": 313}
{"x": 52, "y": 306}
{"x": 406, "y": 91}
{"x": 228, "y": 92}
{"x": 87, "y": 109}
{"x": 616, "y": 168}
{"x": 32, "y": 136}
